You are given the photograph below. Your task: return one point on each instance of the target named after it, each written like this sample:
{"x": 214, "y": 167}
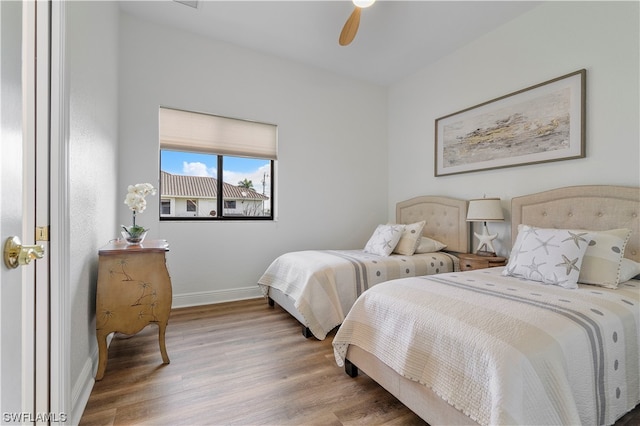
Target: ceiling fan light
{"x": 363, "y": 3}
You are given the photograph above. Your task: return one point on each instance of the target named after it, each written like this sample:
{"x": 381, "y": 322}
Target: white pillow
{"x": 602, "y": 260}
{"x": 551, "y": 256}
{"x": 384, "y": 239}
{"x": 428, "y": 245}
{"x": 410, "y": 239}
{"x": 628, "y": 269}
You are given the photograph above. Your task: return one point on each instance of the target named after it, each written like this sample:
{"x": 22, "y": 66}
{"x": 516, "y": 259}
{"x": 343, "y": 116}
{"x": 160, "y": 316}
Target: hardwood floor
{"x": 239, "y": 363}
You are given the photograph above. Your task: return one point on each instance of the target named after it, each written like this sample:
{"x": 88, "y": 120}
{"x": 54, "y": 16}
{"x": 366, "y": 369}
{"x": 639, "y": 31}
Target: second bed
{"x": 318, "y": 287}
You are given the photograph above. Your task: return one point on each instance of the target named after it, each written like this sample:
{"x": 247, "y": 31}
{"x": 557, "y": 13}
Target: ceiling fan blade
{"x": 350, "y": 27}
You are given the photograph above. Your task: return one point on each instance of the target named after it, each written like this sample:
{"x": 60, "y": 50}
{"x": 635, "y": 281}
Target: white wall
{"x": 331, "y": 175}
{"x": 551, "y": 40}
{"x": 91, "y": 66}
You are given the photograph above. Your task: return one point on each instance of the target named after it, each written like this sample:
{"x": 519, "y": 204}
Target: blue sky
{"x": 236, "y": 169}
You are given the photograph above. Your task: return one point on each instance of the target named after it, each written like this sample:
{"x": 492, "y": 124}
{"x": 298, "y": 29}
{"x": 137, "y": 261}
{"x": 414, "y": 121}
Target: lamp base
{"x": 486, "y": 242}
{"x": 485, "y": 253}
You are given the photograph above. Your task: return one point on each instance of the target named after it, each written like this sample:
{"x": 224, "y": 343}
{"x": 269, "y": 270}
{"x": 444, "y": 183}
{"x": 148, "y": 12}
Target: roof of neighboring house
{"x": 203, "y": 187}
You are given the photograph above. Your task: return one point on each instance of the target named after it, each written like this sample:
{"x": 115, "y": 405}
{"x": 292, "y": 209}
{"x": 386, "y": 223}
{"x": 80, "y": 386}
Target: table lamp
{"x": 485, "y": 210}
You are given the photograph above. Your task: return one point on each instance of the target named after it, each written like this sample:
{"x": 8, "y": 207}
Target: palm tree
{"x": 246, "y": 183}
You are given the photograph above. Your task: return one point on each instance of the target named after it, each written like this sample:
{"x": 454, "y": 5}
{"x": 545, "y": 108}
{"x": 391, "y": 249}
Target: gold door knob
{"x": 15, "y": 254}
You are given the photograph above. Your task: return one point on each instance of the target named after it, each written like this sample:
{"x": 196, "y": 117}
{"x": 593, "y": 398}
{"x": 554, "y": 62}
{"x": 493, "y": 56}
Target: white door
{"x": 15, "y": 352}
{"x": 24, "y": 383}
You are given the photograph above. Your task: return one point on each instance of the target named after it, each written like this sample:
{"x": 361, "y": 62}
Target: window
{"x": 215, "y": 168}
{"x": 165, "y": 207}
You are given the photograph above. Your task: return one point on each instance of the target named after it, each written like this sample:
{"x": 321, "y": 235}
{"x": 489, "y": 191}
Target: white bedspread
{"x": 324, "y": 283}
{"x": 504, "y": 350}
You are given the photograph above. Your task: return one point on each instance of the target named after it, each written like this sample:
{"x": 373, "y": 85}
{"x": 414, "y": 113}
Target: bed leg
{"x": 306, "y": 332}
{"x": 272, "y": 303}
{"x": 350, "y": 368}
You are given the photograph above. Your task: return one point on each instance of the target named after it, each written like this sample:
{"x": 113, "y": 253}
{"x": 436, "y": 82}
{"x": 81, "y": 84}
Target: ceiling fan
{"x": 350, "y": 28}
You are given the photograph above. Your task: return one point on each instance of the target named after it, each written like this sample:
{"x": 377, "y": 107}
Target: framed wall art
{"x": 541, "y": 123}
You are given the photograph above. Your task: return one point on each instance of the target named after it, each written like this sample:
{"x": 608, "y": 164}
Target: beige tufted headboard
{"x": 445, "y": 219}
{"x": 595, "y": 207}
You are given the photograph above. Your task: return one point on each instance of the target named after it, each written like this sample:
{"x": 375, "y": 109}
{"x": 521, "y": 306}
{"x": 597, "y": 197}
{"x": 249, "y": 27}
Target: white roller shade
{"x": 192, "y": 131}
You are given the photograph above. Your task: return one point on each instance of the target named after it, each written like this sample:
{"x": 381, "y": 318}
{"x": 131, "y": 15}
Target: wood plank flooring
{"x": 239, "y": 363}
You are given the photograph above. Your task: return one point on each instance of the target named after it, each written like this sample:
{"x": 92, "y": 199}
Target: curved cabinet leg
{"x": 162, "y": 328}
{"x": 102, "y": 355}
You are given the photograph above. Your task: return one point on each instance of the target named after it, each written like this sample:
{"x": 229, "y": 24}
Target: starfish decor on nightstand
{"x": 485, "y": 241}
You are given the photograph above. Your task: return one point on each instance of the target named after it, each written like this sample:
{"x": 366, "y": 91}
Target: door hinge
{"x": 42, "y": 233}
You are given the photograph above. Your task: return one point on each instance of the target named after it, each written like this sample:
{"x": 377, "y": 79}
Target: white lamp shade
{"x": 485, "y": 210}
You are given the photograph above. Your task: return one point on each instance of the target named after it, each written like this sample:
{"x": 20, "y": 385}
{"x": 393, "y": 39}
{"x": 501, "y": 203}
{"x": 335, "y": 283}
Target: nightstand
{"x": 134, "y": 290}
{"x": 470, "y": 262}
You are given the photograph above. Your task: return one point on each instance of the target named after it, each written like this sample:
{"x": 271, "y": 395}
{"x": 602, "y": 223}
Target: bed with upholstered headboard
{"x": 445, "y": 219}
{"x": 318, "y": 287}
{"x": 592, "y": 207}
{"x": 494, "y": 347}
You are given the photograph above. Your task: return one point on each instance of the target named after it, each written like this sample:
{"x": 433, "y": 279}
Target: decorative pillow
{"x": 410, "y": 239}
{"x": 428, "y": 245}
{"x": 628, "y": 269}
{"x": 603, "y": 258}
{"x": 384, "y": 239}
{"x": 551, "y": 256}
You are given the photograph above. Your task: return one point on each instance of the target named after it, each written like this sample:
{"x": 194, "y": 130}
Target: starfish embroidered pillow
{"x": 384, "y": 239}
{"x": 551, "y": 256}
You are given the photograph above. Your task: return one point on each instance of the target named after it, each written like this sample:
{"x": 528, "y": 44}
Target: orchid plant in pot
{"x": 135, "y": 199}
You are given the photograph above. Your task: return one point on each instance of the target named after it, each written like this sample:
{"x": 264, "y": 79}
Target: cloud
{"x": 231, "y": 177}
{"x": 255, "y": 176}
{"x": 197, "y": 169}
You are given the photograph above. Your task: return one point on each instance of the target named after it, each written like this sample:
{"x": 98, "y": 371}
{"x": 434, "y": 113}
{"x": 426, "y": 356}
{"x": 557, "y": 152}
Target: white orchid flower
{"x": 135, "y": 200}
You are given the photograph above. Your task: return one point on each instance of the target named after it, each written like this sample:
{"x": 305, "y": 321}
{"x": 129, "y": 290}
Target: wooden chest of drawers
{"x": 134, "y": 290}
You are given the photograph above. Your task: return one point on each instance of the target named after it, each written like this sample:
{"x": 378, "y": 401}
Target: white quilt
{"x": 324, "y": 283}
{"x": 503, "y": 350}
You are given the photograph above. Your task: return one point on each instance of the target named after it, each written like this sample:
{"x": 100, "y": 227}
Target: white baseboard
{"x": 84, "y": 385}
{"x": 215, "y": 296}
{"x": 82, "y": 389}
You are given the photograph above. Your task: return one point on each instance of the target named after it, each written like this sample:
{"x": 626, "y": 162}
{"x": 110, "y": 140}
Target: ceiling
{"x": 395, "y": 38}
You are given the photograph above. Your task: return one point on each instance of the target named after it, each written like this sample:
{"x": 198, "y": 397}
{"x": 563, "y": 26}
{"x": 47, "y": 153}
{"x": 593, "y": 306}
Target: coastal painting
{"x": 541, "y": 123}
